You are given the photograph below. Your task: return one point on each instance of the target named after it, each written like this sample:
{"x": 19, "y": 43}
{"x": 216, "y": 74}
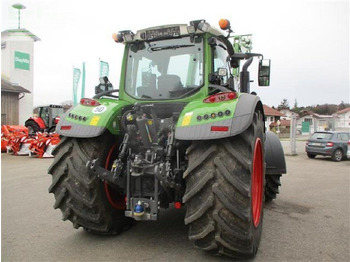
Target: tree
{"x": 341, "y": 106}
{"x": 295, "y": 103}
{"x": 283, "y": 105}
{"x": 295, "y": 108}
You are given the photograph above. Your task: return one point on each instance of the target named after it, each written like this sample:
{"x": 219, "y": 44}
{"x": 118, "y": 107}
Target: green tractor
{"x": 182, "y": 129}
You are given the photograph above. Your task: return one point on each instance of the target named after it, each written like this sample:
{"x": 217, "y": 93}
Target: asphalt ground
{"x": 309, "y": 221}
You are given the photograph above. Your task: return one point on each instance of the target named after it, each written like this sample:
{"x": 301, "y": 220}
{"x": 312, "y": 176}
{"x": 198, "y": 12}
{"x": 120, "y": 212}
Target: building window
{"x": 3, "y": 45}
{"x": 308, "y": 120}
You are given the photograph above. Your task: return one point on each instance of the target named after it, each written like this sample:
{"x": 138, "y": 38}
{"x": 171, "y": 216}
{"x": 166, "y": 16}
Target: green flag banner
{"x": 83, "y": 82}
{"x": 76, "y": 78}
{"x": 104, "y": 68}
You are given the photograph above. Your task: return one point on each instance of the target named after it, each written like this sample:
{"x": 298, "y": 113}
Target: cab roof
{"x": 172, "y": 30}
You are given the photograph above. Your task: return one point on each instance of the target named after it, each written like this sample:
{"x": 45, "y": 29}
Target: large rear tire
{"x": 224, "y": 192}
{"x": 80, "y": 195}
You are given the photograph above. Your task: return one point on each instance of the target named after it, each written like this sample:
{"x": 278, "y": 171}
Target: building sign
{"x": 22, "y": 60}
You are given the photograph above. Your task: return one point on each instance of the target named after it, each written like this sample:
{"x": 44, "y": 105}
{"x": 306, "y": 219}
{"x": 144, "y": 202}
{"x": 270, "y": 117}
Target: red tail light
{"x": 330, "y": 144}
{"x": 221, "y": 97}
{"x": 219, "y": 128}
{"x": 66, "y": 127}
{"x": 178, "y": 205}
{"x": 89, "y": 102}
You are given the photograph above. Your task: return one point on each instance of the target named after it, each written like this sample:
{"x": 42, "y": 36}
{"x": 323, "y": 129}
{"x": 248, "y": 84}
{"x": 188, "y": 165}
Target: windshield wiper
{"x": 169, "y": 47}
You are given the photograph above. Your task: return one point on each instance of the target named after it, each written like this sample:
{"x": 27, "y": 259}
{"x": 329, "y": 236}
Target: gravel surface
{"x": 309, "y": 221}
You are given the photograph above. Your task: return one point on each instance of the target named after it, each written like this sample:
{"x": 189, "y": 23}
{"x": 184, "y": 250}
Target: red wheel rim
{"x": 120, "y": 203}
{"x": 257, "y": 182}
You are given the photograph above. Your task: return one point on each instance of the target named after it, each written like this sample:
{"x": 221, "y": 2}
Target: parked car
{"x": 328, "y": 143}
{"x": 348, "y": 153}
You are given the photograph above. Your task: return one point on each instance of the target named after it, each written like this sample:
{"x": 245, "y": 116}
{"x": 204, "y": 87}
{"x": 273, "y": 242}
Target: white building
{"x": 17, "y": 64}
{"x": 310, "y": 122}
{"x": 343, "y": 119}
{"x": 287, "y": 114}
{"x": 271, "y": 116}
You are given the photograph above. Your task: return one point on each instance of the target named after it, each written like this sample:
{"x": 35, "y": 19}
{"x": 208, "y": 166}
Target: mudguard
{"x": 37, "y": 120}
{"x": 87, "y": 121}
{"x": 274, "y": 155}
{"x": 205, "y": 121}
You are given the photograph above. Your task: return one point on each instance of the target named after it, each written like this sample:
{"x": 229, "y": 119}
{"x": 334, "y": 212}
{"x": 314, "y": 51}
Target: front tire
{"x": 224, "y": 192}
{"x": 80, "y": 195}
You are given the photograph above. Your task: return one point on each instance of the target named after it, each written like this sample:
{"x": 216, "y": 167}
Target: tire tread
{"x": 218, "y": 194}
{"x": 79, "y": 194}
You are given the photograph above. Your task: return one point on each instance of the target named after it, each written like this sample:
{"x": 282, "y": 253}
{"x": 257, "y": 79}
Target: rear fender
{"x": 39, "y": 121}
{"x": 87, "y": 121}
{"x": 192, "y": 124}
{"x": 274, "y": 155}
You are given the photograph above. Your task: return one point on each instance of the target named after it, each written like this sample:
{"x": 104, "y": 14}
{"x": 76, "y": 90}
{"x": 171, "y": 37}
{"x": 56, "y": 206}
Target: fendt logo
{"x": 22, "y": 60}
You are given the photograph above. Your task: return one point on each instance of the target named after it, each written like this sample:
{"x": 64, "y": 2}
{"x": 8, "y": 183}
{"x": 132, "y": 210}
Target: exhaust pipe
{"x": 244, "y": 76}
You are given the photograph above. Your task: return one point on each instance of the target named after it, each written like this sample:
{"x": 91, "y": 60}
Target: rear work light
{"x": 89, "y": 102}
{"x": 221, "y": 97}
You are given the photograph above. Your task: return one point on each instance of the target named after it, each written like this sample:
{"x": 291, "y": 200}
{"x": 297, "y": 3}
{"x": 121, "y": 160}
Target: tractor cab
{"x": 44, "y": 115}
{"x": 53, "y": 114}
{"x": 183, "y": 62}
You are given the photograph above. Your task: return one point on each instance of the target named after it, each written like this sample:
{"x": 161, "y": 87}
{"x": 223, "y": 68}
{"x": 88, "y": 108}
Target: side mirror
{"x": 264, "y": 72}
{"x": 104, "y": 85}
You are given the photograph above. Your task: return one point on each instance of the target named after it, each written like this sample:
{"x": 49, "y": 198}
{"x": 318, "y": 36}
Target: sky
{"x": 306, "y": 40}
